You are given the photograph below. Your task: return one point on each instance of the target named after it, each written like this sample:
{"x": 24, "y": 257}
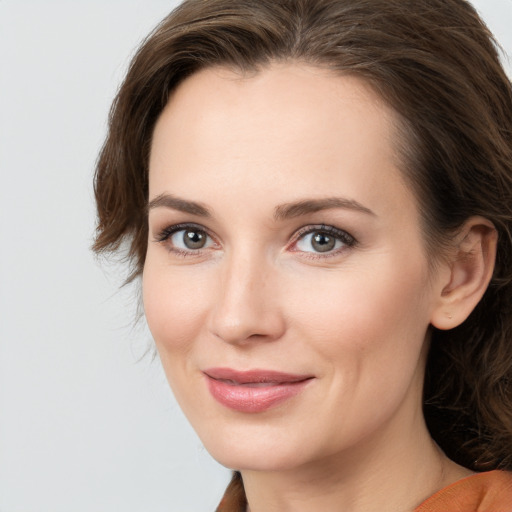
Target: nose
{"x": 246, "y": 307}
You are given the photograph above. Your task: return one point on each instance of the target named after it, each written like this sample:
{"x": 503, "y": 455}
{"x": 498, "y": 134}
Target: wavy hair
{"x": 437, "y": 65}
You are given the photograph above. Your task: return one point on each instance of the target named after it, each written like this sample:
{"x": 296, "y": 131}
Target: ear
{"x": 467, "y": 273}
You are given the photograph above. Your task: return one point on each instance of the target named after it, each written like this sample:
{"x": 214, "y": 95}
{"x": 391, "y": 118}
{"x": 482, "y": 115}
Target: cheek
{"x": 367, "y": 330}
{"x": 173, "y": 307}
{"x": 364, "y": 312}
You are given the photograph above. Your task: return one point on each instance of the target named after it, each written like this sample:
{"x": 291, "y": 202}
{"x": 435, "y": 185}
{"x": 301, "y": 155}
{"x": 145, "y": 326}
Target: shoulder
{"x": 483, "y": 492}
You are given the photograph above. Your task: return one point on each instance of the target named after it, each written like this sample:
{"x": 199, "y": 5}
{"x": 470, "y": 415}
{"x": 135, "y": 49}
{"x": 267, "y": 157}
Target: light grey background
{"x": 84, "y": 426}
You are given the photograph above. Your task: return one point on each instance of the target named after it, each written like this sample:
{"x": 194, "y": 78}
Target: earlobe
{"x": 470, "y": 271}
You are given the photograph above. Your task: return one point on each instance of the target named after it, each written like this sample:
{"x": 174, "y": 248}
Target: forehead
{"x": 298, "y": 97}
{"x": 286, "y": 124}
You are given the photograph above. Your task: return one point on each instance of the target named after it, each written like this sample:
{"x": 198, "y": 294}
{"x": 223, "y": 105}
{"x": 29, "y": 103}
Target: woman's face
{"x": 286, "y": 283}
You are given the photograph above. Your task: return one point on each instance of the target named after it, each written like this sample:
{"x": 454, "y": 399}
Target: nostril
{"x": 248, "y": 325}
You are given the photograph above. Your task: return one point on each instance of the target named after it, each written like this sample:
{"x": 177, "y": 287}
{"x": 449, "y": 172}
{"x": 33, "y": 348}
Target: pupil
{"x": 322, "y": 242}
{"x": 194, "y": 239}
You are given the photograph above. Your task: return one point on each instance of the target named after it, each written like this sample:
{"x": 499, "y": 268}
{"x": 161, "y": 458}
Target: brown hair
{"x": 436, "y": 64}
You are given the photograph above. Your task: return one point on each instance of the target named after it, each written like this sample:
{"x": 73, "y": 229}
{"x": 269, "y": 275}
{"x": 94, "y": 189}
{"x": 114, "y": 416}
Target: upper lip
{"x": 254, "y": 376}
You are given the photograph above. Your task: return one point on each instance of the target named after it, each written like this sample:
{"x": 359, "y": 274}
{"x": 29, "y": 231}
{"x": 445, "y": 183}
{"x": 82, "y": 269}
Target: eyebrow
{"x": 176, "y": 203}
{"x": 281, "y": 212}
{"x": 291, "y": 210}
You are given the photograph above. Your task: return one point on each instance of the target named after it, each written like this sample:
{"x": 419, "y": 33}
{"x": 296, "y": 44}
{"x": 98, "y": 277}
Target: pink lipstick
{"x": 254, "y": 390}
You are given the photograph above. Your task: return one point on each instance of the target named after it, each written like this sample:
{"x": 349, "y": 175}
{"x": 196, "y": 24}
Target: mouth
{"x": 253, "y": 391}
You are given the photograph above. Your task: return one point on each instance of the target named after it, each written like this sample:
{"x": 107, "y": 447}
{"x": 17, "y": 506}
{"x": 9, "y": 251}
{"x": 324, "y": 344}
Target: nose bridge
{"x": 247, "y": 305}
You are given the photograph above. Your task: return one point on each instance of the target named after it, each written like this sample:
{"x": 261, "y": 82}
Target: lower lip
{"x": 252, "y": 399}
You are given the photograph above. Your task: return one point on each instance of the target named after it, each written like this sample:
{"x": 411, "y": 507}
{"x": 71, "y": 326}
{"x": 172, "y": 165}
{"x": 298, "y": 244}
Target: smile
{"x": 255, "y": 390}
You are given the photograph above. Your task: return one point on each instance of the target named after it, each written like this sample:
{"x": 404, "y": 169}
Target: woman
{"x": 317, "y": 195}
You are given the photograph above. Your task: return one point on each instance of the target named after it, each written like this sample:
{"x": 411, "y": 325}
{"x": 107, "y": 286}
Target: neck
{"x": 394, "y": 471}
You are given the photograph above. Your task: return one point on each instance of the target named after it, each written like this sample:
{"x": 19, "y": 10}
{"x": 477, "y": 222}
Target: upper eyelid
{"x": 325, "y": 228}
{"x": 170, "y": 229}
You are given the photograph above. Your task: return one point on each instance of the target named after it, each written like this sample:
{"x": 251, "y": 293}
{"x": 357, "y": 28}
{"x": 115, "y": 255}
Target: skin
{"x": 259, "y": 295}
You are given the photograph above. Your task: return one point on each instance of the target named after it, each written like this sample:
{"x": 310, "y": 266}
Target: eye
{"x": 185, "y": 238}
{"x": 324, "y": 239}
{"x": 189, "y": 239}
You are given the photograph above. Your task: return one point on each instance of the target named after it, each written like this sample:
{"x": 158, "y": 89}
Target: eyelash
{"x": 167, "y": 233}
{"x": 347, "y": 239}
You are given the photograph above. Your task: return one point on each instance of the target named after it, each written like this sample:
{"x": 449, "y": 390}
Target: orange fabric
{"x": 483, "y": 492}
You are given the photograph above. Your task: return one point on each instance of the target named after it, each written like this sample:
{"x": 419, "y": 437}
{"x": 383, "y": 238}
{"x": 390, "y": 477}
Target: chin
{"x": 255, "y": 447}
{"x": 260, "y": 459}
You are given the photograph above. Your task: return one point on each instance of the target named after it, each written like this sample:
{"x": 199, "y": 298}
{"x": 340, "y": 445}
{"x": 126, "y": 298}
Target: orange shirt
{"x": 483, "y": 492}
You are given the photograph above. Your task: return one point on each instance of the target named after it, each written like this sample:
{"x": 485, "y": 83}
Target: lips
{"x": 253, "y": 391}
